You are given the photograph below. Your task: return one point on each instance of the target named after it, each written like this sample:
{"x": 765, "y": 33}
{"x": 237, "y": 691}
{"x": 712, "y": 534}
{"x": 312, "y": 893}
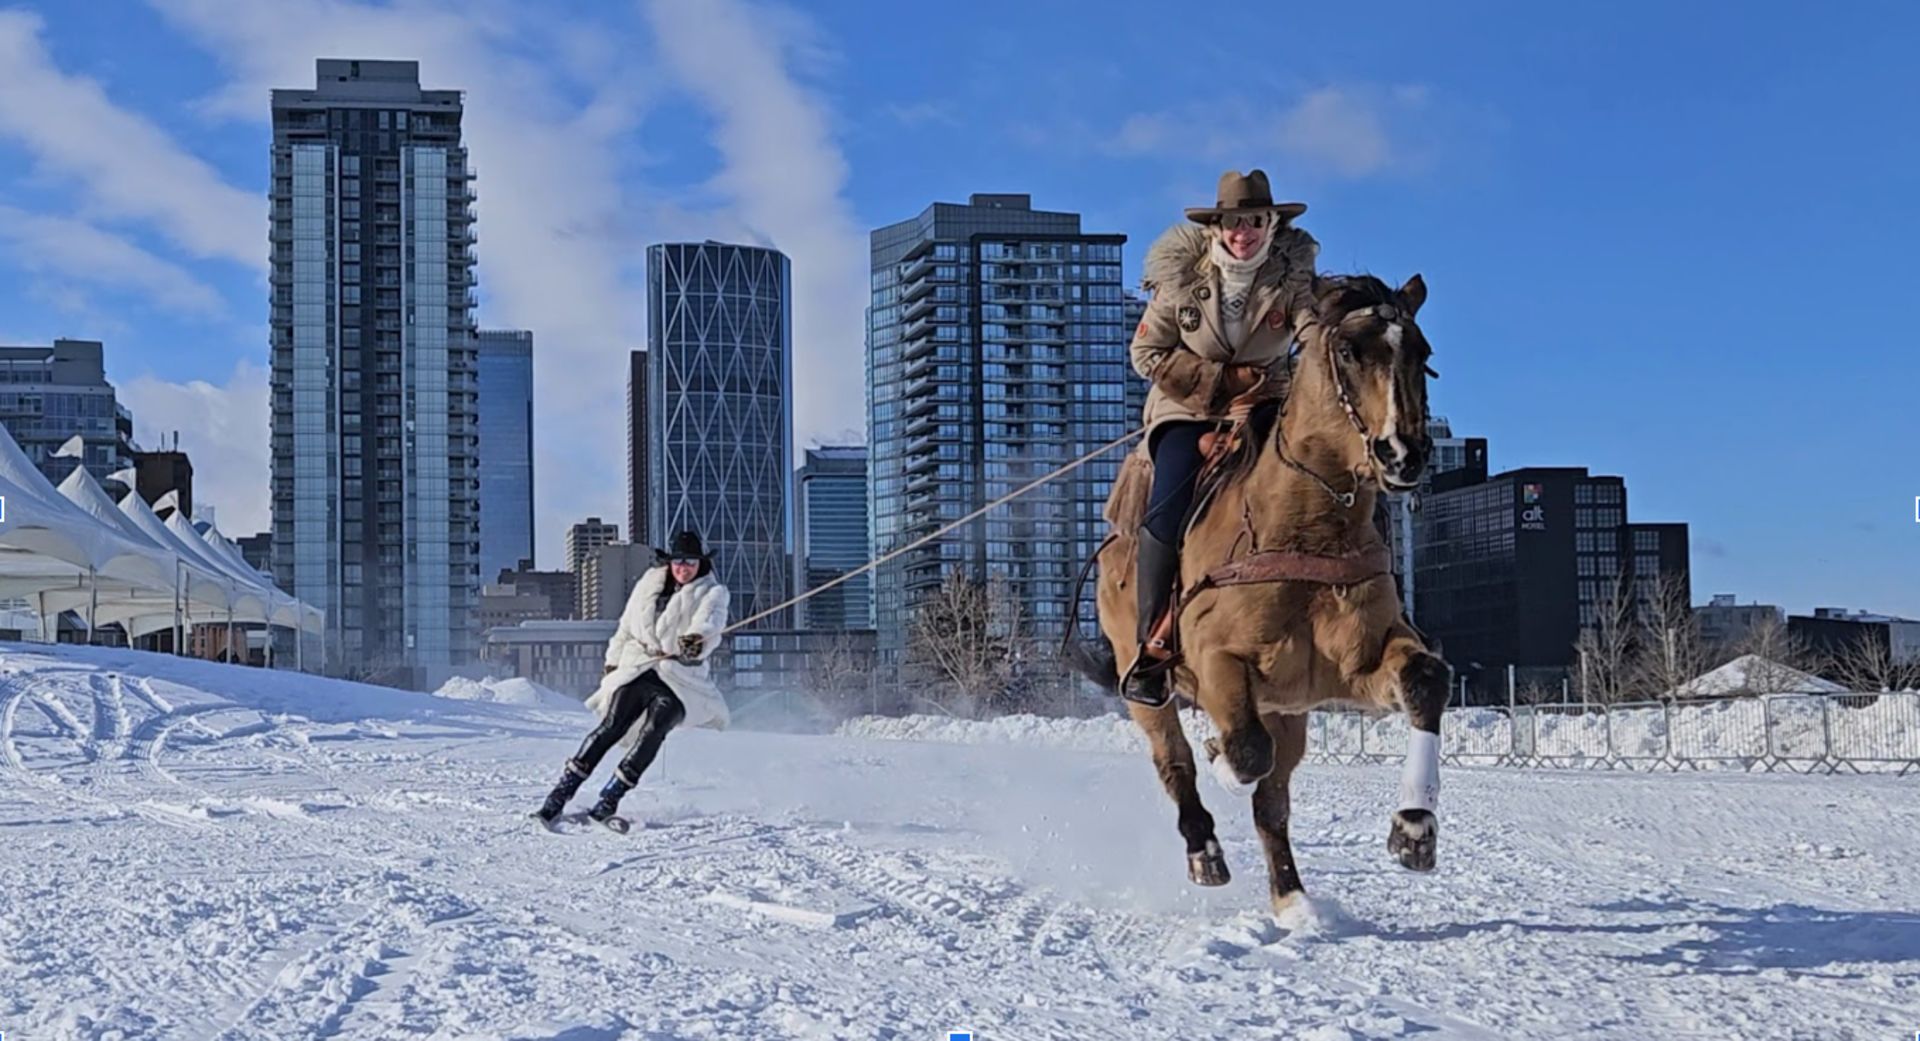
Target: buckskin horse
{"x": 1286, "y": 600}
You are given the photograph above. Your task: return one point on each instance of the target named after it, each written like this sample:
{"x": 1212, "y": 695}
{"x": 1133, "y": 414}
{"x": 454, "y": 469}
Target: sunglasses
{"x": 688, "y": 561}
{"x": 1256, "y": 221}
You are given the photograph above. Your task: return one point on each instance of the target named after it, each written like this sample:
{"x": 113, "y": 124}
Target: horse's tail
{"x": 1095, "y": 663}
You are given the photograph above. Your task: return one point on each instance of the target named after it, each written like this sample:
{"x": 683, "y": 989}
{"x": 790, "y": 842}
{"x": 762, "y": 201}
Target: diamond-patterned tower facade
{"x": 719, "y": 390}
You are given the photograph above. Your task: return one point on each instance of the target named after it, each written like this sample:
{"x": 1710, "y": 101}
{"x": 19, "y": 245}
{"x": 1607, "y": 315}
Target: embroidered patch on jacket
{"x": 1189, "y": 318}
{"x": 1142, "y": 331}
{"x": 1276, "y": 318}
{"x": 1203, "y": 293}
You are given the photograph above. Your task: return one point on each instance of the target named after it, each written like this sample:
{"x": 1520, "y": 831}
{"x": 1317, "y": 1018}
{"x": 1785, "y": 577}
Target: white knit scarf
{"x": 1236, "y": 285}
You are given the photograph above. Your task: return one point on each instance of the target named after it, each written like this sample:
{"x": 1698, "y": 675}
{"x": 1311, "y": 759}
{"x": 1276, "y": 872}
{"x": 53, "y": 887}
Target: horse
{"x": 1287, "y": 601}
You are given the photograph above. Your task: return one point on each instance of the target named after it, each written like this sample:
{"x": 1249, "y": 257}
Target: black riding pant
{"x": 647, "y": 701}
{"x": 1175, "y": 450}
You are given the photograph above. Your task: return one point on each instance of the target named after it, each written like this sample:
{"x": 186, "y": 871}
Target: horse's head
{"x": 1361, "y": 345}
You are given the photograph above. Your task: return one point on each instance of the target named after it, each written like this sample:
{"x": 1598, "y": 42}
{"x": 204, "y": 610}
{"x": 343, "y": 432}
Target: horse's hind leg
{"x": 1415, "y": 678}
{"x": 1273, "y": 809}
{"x": 1173, "y": 759}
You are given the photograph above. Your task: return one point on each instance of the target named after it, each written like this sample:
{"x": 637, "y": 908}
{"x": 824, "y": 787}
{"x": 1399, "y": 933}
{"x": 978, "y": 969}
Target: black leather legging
{"x": 647, "y": 701}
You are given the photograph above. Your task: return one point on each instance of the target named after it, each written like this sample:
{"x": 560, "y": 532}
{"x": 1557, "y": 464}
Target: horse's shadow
{"x": 1733, "y": 941}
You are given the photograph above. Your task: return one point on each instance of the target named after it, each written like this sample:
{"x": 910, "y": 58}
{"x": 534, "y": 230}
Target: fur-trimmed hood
{"x": 1180, "y": 257}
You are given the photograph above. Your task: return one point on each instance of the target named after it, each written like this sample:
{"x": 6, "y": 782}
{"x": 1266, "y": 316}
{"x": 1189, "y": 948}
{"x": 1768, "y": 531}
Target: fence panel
{"x": 1342, "y": 736}
{"x": 1525, "y": 727}
{"x": 1731, "y": 731}
{"x": 1476, "y": 736}
{"x": 1797, "y": 730}
{"x": 1637, "y": 735}
{"x": 1875, "y": 731}
{"x": 1570, "y": 735}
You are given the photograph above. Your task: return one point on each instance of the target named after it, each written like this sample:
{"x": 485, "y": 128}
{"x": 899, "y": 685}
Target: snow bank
{"x": 510, "y": 691}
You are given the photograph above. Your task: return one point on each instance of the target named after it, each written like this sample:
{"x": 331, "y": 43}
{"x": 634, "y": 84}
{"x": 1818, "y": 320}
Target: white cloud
{"x": 548, "y": 188}
{"x": 81, "y": 252}
{"x": 1334, "y": 127}
{"x": 1347, "y": 131}
{"x": 917, "y": 114}
{"x": 223, "y": 429}
{"x": 124, "y": 165}
{"x": 784, "y": 176}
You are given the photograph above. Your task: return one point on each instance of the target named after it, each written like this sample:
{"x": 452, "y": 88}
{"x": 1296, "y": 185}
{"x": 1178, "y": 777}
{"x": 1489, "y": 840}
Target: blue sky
{"x": 1665, "y": 241}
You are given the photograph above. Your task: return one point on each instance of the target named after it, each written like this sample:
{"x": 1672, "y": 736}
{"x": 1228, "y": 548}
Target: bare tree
{"x": 1781, "y": 660}
{"x": 1867, "y": 665}
{"x": 1605, "y": 648}
{"x": 841, "y": 675}
{"x": 1670, "y": 651}
{"x": 972, "y": 637}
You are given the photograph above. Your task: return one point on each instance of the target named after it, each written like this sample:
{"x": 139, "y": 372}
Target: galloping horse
{"x": 1287, "y": 601}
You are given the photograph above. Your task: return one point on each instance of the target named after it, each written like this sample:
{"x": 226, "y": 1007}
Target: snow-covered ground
{"x": 198, "y": 851}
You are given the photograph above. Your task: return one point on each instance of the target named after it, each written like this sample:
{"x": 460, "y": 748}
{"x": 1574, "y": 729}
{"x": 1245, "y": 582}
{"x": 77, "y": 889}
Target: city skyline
{"x": 1428, "y": 147}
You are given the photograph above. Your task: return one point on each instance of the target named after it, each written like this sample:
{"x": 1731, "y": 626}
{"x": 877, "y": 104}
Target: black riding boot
{"x": 610, "y": 796}
{"x": 570, "y": 778}
{"x": 1157, "y": 565}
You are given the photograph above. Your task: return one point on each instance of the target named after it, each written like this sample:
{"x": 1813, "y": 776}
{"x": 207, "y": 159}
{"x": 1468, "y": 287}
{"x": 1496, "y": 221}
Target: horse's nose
{"x": 1387, "y": 450}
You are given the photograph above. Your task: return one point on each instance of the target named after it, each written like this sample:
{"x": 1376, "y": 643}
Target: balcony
{"x": 921, "y": 364}
{"x": 921, "y": 405}
{"x": 917, "y": 269}
{"x": 915, "y": 291}
{"x": 914, "y": 350}
{"x": 920, "y": 308}
{"x": 922, "y": 328}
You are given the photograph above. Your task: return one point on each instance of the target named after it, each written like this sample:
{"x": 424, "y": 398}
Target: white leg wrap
{"x": 1224, "y": 776}
{"x": 1420, "y": 777}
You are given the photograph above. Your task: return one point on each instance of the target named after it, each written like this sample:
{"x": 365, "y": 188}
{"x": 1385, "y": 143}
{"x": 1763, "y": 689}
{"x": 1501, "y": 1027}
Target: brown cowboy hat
{"x": 1248, "y": 193}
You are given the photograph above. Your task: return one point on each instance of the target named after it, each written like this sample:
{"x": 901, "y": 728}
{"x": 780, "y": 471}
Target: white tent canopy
{"x": 48, "y": 542}
{"x": 74, "y": 548}
{"x": 154, "y": 591}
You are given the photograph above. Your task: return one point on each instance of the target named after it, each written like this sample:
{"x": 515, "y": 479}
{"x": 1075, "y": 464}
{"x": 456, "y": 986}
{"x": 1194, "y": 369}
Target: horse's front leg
{"x": 1173, "y": 760}
{"x": 1273, "y": 810}
{"x": 1415, "y": 679}
{"x": 1243, "y": 754}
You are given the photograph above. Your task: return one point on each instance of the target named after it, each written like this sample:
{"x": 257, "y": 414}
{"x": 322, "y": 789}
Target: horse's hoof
{"x": 1414, "y": 838}
{"x": 1209, "y": 866}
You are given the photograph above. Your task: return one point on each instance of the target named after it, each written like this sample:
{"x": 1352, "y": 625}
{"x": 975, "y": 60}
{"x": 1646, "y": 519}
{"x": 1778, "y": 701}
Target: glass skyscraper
{"x": 997, "y": 351}
{"x": 375, "y": 389}
{"x": 506, "y": 449}
{"x": 830, "y": 536}
{"x": 719, "y": 426}
{"x": 48, "y": 395}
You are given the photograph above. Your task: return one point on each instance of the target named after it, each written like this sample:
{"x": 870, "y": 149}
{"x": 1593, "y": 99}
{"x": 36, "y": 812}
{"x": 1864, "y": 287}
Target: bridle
{"x": 1370, "y": 466}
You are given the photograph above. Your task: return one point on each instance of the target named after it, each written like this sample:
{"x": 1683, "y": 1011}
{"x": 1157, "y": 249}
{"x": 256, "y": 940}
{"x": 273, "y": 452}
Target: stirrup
{"x": 1154, "y": 672}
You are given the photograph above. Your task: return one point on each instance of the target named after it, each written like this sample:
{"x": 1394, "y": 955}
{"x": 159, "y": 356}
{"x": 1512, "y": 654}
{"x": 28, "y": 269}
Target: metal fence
{"x": 1804, "y": 733}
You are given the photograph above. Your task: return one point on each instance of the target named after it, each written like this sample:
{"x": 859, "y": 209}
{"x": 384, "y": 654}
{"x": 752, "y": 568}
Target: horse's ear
{"x": 1413, "y": 294}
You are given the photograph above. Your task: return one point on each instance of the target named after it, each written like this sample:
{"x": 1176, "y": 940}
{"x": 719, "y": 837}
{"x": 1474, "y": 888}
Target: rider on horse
{"x": 1215, "y": 340}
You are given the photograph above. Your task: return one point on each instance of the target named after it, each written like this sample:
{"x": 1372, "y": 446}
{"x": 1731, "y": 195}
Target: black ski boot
{"x": 570, "y": 780}
{"x": 1156, "y": 566}
{"x": 607, "y": 810}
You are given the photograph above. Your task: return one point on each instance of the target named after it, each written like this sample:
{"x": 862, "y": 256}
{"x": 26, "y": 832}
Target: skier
{"x": 656, "y": 676}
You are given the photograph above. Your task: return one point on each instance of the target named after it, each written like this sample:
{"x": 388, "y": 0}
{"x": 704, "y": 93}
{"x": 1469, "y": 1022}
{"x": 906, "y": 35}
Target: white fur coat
{"x": 700, "y": 607}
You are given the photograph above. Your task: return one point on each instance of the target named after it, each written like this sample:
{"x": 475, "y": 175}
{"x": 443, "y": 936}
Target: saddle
{"x": 1229, "y": 453}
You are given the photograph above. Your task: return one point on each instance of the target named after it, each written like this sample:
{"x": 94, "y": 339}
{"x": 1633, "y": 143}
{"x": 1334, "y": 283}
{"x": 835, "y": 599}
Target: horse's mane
{"x": 1337, "y": 295}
